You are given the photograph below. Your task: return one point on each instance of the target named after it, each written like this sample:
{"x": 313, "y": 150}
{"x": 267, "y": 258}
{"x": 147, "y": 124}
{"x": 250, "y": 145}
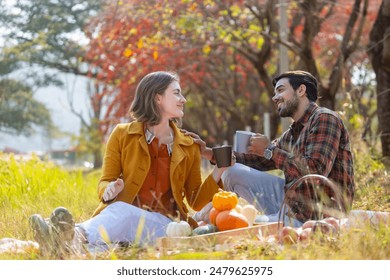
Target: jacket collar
{"x": 137, "y": 127}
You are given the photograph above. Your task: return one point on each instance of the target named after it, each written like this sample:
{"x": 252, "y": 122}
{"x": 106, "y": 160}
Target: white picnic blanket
{"x": 12, "y": 245}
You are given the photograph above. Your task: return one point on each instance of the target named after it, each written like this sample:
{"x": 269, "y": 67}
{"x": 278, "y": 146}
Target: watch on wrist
{"x": 268, "y": 152}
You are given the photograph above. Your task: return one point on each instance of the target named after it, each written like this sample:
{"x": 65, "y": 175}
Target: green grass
{"x": 28, "y": 187}
{"x": 38, "y": 187}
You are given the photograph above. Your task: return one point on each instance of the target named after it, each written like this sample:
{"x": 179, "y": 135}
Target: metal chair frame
{"x": 285, "y": 209}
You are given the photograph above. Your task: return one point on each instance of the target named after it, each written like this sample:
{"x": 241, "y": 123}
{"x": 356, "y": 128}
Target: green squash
{"x": 204, "y": 229}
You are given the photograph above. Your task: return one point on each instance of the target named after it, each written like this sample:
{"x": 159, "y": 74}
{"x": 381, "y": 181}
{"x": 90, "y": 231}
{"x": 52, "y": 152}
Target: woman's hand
{"x": 232, "y": 162}
{"x": 217, "y": 172}
{"x": 205, "y": 151}
{"x": 113, "y": 189}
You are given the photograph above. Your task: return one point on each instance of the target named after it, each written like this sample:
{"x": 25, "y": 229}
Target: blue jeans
{"x": 123, "y": 222}
{"x": 261, "y": 189}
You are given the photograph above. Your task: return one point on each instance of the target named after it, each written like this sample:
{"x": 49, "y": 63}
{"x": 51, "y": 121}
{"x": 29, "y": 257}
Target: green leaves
{"x": 19, "y": 111}
{"x": 47, "y": 32}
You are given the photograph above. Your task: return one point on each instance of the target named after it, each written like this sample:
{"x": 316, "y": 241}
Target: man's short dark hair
{"x": 299, "y": 77}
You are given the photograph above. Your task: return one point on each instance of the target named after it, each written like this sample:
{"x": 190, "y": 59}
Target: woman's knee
{"x": 119, "y": 210}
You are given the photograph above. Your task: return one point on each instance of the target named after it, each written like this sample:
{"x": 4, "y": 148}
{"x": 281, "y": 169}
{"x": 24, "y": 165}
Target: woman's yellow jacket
{"x": 127, "y": 156}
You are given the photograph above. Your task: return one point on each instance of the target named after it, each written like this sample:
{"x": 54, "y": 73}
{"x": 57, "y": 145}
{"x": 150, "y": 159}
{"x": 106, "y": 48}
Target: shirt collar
{"x": 306, "y": 115}
{"x": 137, "y": 127}
{"x": 149, "y": 136}
{"x": 297, "y": 126}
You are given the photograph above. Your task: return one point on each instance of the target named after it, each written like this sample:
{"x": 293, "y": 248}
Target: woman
{"x": 149, "y": 168}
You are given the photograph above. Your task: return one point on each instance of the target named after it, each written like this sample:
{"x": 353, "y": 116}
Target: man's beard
{"x": 290, "y": 107}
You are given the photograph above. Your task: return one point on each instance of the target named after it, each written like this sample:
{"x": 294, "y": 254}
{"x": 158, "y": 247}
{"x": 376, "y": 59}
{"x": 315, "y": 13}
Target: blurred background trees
{"x": 226, "y": 53}
{"x": 379, "y": 51}
{"x": 19, "y": 111}
{"x": 46, "y": 37}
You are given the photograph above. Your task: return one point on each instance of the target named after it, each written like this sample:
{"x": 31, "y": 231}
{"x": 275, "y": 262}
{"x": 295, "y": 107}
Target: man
{"x": 316, "y": 143}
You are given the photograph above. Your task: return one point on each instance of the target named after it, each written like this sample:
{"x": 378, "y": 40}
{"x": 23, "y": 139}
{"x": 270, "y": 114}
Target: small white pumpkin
{"x": 176, "y": 229}
{"x": 238, "y": 208}
{"x": 249, "y": 211}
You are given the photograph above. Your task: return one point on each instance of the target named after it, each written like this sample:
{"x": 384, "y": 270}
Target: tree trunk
{"x": 97, "y": 159}
{"x": 326, "y": 99}
{"x": 379, "y": 52}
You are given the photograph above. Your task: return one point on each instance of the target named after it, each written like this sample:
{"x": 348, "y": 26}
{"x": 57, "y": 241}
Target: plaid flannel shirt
{"x": 318, "y": 143}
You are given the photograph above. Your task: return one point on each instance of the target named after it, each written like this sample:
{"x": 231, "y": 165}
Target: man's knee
{"x": 232, "y": 172}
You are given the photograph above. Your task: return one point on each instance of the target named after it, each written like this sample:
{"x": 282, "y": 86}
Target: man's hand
{"x": 257, "y": 144}
{"x": 113, "y": 189}
{"x": 205, "y": 151}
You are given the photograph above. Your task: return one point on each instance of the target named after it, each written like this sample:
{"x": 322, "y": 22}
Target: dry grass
{"x": 38, "y": 187}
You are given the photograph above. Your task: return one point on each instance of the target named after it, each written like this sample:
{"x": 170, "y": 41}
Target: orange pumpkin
{"x": 213, "y": 215}
{"x": 230, "y": 219}
{"x": 224, "y": 200}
